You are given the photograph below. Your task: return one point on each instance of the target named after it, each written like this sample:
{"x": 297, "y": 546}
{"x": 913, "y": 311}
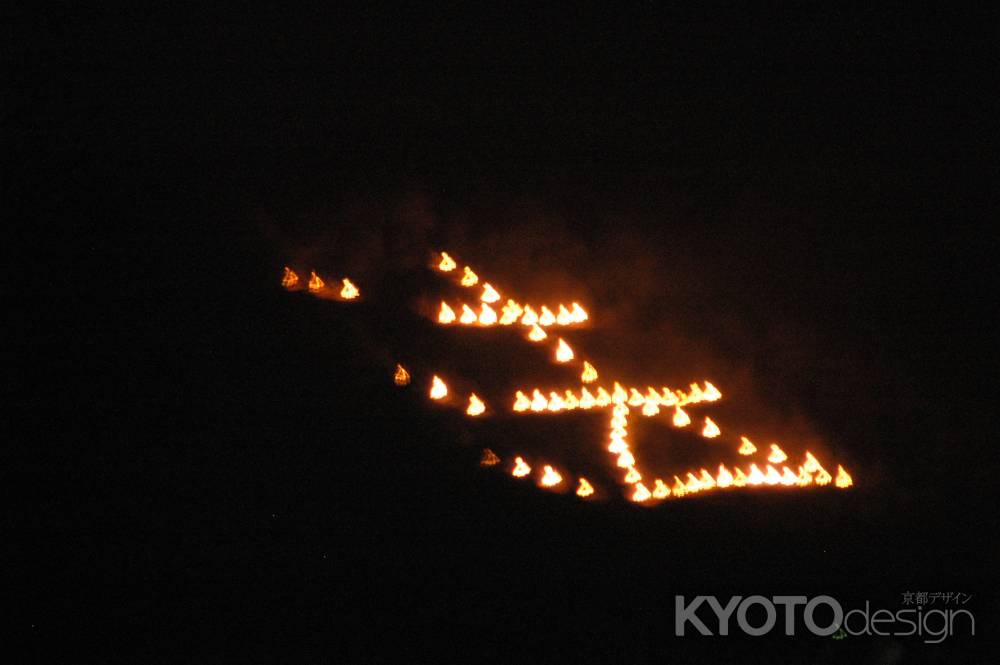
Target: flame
{"x": 401, "y": 377}
{"x": 711, "y": 393}
{"x": 619, "y": 396}
{"x": 546, "y": 318}
{"x": 585, "y": 488}
{"x": 536, "y": 334}
{"x": 788, "y": 477}
{"x": 551, "y": 477}
{"x": 812, "y": 464}
{"x": 625, "y": 460}
{"x": 349, "y": 292}
{"x": 438, "y": 389}
{"x": 755, "y": 477}
{"x": 589, "y": 373}
{"x": 487, "y": 316}
{"x": 447, "y": 314}
{"x": 772, "y": 477}
{"x": 563, "y": 352}
{"x": 711, "y": 430}
{"x": 579, "y": 314}
{"x": 777, "y": 455}
{"x": 650, "y": 409}
{"x": 489, "y": 293}
{"x": 603, "y": 398}
{"x": 822, "y": 477}
{"x": 315, "y": 283}
{"x": 469, "y": 278}
{"x": 746, "y": 446}
{"x": 632, "y": 476}
{"x": 571, "y": 401}
{"x": 447, "y": 263}
{"x": 556, "y": 403}
{"x": 660, "y": 489}
{"x": 564, "y": 318}
{"x": 476, "y": 406}
{"x": 681, "y": 418}
{"x": 468, "y": 315}
{"x": 520, "y": 468}
{"x": 521, "y": 402}
{"x": 289, "y": 279}
{"x": 804, "y": 478}
{"x": 586, "y": 399}
{"x": 739, "y": 478}
{"x": 529, "y": 318}
{"x": 538, "y": 401}
{"x": 844, "y": 479}
{"x": 725, "y": 478}
{"x": 489, "y": 458}
{"x": 635, "y": 398}
{"x": 511, "y": 312}
{"x": 641, "y": 493}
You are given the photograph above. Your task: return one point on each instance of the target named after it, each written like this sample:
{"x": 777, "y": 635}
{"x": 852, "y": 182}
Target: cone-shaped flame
{"x": 289, "y": 279}
{"x": 635, "y": 398}
{"x": 551, "y": 477}
{"x": 777, "y": 455}
{"x": 772, "y": 477}
{"x": 843, "y": 478}
{"x": 746, "y": 446}
{"x": 529, "y": 318}
{"x": 546, "y": 318}
{"x": 447, "y": 314}
{"x": 739, "y": 478}
{"x": 619, "y": 396}
{"x": 538, "y": 401}
{"x": 625, "y": 460}
{"x": 603, "y": 398}
{"x": 315, "y": 283}
{"x": 511, "y": 313}
{"x": 711, "y": 393}
{"x": 349, "y": 292}
{"x": 755, "y": 477}
{"x": 586, "y": 399}
{"x": 521, "y": 402}
{"x": 564, "y": 318}
{"x": 447, "y": 263}
{"x": 489, "y": 458}
{"x": 571, "y": 401}
{"x": 589, "y": 373}
{"x": 563, "y": 353}
{"x": 710, "y": 430}
{"x": 476, "y": 406}
{"x": 469, "y": 278}
{"x": 487, "y": 317}
{"x": 468, "y": 315}
{"x": 556, "y": 403}
{"x": 650, "y": 409}
{"x": 640, "y": 494}
{"x": 401, "y": 377}
{"x": 660, "y": 489}
{"x": 585, "y": 489}
{"x": 489, "y": 293}
{"x": 788, "y": 477}
{"x": 725, "y": 478}
{"x": 520, "y": 468}
{"x": 822, "y": 477}
{"x": 633, "y": 476}
{"x": 804, "y": 477}
{"x": 536, "y": 334}
{"x": 438, "y": 389}
{"x": 681, "y": 418}
{"x": 812, "y": 464}
{"x": 579, "y": 314}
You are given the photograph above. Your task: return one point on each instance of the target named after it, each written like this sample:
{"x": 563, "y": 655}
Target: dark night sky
{"x": 204, "y": 467}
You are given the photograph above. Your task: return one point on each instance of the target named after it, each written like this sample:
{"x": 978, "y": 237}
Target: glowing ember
{"x": 585, "y": 489}
{"x": 447, "y": 263}
{"x": 589, "y": 373}
{"x": 476, "y": 406}
{"x": 520, "y": 468}
{"x": 711, "y": 430}
{"x": 489, "y": 294}
{"x": 641, "y": 493}
{"x": 489, "y": 458}
{"x": 777, "y": 455}
{"x": 536, "y": 334}
{"x": 681, "y": 418}
{"x": 746, "y": 446}
{"x": 469, "y": 278}
{"x": 447, "y": 314}
{"x": 315, "y": 283}
{"x": 349, "y": 292}
{"x": 289, "y": 279}
{"x": 843, "y": 478}
{"x": 401, "y": 377}
{"x": 563, "y": 353}
{"x": 438, "y": 389}
{"x": 550, "y": 477}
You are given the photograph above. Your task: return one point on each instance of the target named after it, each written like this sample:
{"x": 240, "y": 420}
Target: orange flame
{"x": 844, "y": 479}
{"x": 349, "y": 292}
{"x": 447, "y": 314}
{"x": 660, "y": 489}
{"x": 550, "y": 477}
{"x": 538, "y": 401}
{"x": 633, "y": 476}
{"x": 589, "y": 373}
{"x": 711, "y": 393}
{"x": 822, "y": 477}
{"x": 469, "y": 278}
{"x": 489, "y": 458}
{"x": 489, "y": 293}
{"x": 529, "y": 318}
{"x": 777, "y": 455}
{"x": 447, "y": 263}
{"x": 315, "y": 283}
{"x": 468, "y": 315}
{"x": 586, "y": 399}
{"x": 746, "y": 446}
{"x": 546, "y": 318}
{"x": 476, "y": 406}
{"x": 725, "y": 478}
{"x": 438, "y": 389}
{"x": 563, "y": 353}
{"x": 289, "y": 279}
{"x": 585, "y": 489}
{"x": 564, "y": 318}
{"x": 511, "y": 312}
{"x": 625, "y": 460}
{"x": 487, "y": 316}
{"x": 536, "y": 334}
{"x": 521, "y": 402}
{"x": 401, "y": 377}
{"x": 520, "y": 468}
{"x": 641, "y": 494}
{"x": 579, "y": 314}
{"x": 711, "y": 430}
{"x": 681, "y": 418}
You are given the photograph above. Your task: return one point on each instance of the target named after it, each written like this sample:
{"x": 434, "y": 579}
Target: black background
{"x": 202, "y": 467}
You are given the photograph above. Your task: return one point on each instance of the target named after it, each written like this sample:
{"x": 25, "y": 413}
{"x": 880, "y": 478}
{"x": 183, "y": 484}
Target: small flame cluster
{"x": 621, "y": 401}
{"x": 317, "y": 285}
